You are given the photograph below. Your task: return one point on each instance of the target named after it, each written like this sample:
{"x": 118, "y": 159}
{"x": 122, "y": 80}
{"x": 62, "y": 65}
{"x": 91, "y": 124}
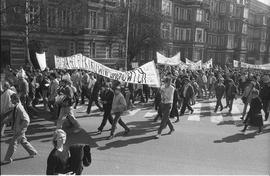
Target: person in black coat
{"x": 220, "y": 90}
{"x": 106, "y": 99}
{"x": 231, "y": 93}
{"x": 174, "y": 111}
{"x": 254, "y": 116}
{"x": 187, "y": 94}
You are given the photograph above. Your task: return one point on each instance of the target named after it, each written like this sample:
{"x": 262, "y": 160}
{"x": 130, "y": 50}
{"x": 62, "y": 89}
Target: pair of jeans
{"x": 17, "y": 138}
{"x": 117, "y": 119}
{"x": 219, "y": 103}
{"x": 106, "y": 116}
{"x": 165, "y": 110}
{"x": 185, "y": 105}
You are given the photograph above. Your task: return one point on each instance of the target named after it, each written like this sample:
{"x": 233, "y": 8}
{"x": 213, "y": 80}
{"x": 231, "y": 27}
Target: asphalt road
{"x": 203, "y": 143}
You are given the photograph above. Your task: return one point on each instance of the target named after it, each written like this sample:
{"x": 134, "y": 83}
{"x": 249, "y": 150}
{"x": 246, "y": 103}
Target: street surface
{"x": 203, "y": 143}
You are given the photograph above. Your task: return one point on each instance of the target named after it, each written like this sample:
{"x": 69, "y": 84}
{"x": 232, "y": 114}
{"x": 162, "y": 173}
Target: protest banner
{"x": 208, "y": 64}
{"x": 173, "y": 61}
{"x": 145, "y": 74}
{"x": 189, "y": 62}
{"x": 235, "y": 63}
{"x": 41, "y": 58}
{"x": 253, "y": 66}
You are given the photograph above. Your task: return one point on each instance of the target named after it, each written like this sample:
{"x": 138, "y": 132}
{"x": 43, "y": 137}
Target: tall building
{"x": 60, "y": 28}
{"x": 258, "y": 33}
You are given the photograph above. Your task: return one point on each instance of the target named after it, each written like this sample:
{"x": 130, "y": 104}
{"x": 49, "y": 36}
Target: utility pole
{"x": 27, "y": 19}
{"x": 128, "y": 19}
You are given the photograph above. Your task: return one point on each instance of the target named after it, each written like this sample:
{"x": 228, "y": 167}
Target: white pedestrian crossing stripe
{"x": 196, "y": 114}
{"x": 132, "y": 112}
{"x": 150, "y": 114}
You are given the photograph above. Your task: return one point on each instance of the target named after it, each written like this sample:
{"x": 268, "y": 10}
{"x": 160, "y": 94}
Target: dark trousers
{"x": 265, "y": 104}
{"x": 106, "y": 116}
{"x": 219, "y": 103}
{"x": 84, "y": 93}
{"x": 140, "y": 92}
{"x": 186, "y": 105}
{"x": 165, "y": 110}
{"x": 95, "y": 99}
{"x": 117, "y": 119}
{"x": 230, "y": 103}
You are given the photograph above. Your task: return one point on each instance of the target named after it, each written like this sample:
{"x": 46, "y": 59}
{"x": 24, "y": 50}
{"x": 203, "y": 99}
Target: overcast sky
{"x": 265, "y": 1}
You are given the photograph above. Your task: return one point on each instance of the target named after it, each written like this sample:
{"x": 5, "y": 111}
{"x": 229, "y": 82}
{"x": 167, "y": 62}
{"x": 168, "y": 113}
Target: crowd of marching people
{"x": 61, "y": 91}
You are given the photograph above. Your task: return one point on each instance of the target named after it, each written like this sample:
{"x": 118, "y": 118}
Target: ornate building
{"x": 59, "y": 28}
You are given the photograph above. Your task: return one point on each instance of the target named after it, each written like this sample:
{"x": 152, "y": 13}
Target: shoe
{"x": 242, "y": 118}
{"x": 126, "y": 132}
{"x": 230, "y": 110}
{"x": 192, "y": 111}
{"x": 171, "y": 131}
{"x": 33, "y": 155}
{"x": 6, "y": 161}
{"x": 259, "y": 132}
{"x": 243, "y": 131}
{"x": 157, "y": 136}
{"x": 215, "y": 111}
{"x": 221, "y": 108}
{"x": 99, "y": 132}
{"x": 177, "y": 120}
{"x": 110, "y": 137}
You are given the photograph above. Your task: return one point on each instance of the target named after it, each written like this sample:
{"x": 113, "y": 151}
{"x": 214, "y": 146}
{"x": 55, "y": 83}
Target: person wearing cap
{"x": 231, "y": 93}
{"x": 58, "y": 160}
{"x": 106, "y": 97}
{"x": 220, "y": 90}
{"x": 265, "y": 96}
{"x": 20, "y": 122}
{"x": 119, "y": 105}
{"x": 167, "y": 92}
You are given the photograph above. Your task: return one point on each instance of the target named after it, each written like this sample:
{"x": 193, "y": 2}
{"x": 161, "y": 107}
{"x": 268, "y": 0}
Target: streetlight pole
{"x": 128, "y": 19}
{"x": 27, "y": 16}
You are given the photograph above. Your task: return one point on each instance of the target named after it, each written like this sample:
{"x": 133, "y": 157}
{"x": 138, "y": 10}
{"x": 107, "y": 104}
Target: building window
{"x": 108, "y": 52}
{"x": 188, "y": 34}
{"x": 176, "y": 33}
{"x": 198, "y": 54}
{"x": 264, "y": 20}
{"x": 92, "y": 50}
{"x": 108, "y": 19}
{"x": 165, "y": 30}
{"x": 199, "y": 15}
{"x": 263, "y": 35}
{"x": 245, "y": 13}
{"x": 215, "y": 40}
{"x": 210, "y": 39}
{"x": 34, "y": 14}
{"x": 92, "y": 20}
{"x": 230, "y": 42}
{"x": 231, "y": 26}
{"x": 167, "y": 7}
{"x": 199, "y": 35}
{"x": 51, "y": 17}
{"x": 182, "y": 34}
{"x": 244, "y": 30}
{"x": 262, "y": 48}
{"x": 231, "y": 8}
{"x": 62, "y": 52}
{"x": 222, "y": 7}
{"x": 3, "y": 12}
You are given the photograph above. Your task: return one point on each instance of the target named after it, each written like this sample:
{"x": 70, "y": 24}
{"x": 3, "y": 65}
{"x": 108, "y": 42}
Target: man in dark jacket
{"x": 231, "y": 93}
{"x": 187, "y": 94}
{"x": 94, "y": 95}
{"x": 106, "y": 99}
{"x": 220, "y": 90}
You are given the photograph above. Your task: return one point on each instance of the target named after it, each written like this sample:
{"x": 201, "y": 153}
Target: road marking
{"x": 150, "y": 114}
{"x": 215, "y": 117}
{"x": 196, "y": 114}
{"x": 236, "y": 110}
{"x": 132, "y": 112}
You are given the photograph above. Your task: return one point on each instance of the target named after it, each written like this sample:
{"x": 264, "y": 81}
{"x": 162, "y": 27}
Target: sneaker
{"x": 177, "y": 120}
{"x": 171, "y": 131}
{"x": 6, "y": 161}
{"x": 110, "y": 137}
{"x": 192, "y": 111}
{"x": 221, "y": 108}
{"x": 33, "y": 155}
{"x": 259, "y": 132}
{"x": 127, "y": 131}
{"x": 243, "y": 131}
{"x": 157, "y": 136}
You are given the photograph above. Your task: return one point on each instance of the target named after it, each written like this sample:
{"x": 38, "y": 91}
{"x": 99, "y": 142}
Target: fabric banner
{"x": 145, "y": 74}
{"x": 252, "y": 66}
{"x": 41, "y": 58}
{"x": 175, "y": 60}
{"x": 189, "y": 62}
{"x": 208, "y": 64}
{"x": 194, "y": 65}
{"x": 235, "y": 63}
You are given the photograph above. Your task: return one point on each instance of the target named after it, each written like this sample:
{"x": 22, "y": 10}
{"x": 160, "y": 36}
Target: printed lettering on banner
{"x": 146, "y": 74}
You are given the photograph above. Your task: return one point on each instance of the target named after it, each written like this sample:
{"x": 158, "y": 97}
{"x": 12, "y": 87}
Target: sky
{"x": 265, "y": 1}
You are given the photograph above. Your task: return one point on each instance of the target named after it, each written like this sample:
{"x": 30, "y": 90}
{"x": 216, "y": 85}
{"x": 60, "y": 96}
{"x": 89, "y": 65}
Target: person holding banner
{"x": 167, "y": 93}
